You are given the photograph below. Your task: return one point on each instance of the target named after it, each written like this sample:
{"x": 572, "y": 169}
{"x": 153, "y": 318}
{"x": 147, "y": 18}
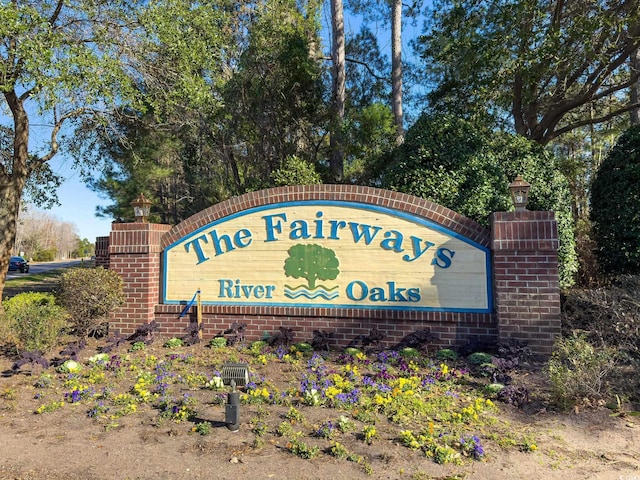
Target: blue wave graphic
{"x": 318, "y": 292}
{"x": 304, "y": 287}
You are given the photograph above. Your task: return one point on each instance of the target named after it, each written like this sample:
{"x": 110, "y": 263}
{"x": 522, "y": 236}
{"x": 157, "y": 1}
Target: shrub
{"x": 296, "y": 171}
{"x": 173, "y": 343}
{"x": 258, "y": 347}
{"x": 89, "y": 294}
{"x": 218, "y": 342}
{"x": 446, "y": 354}
{"x": 303, "y": 347}
{"x": 34, "y": 320}
{"x": 6, "y": 333}
{"x": 586, "y": 246}
{"x": 578, "y": 371}
{"x": 457, "y": 164}
{"x": 609, "y": 316}
{"x": 478, "y": 358}
{"x": 409, "y": 352}
{"x": 615, "y": 206}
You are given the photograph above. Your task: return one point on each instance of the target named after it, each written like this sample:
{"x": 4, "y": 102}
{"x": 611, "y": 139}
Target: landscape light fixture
{"x": 234, "y": 374}
{"x": 141, "y": 208}
{"x": 519, "y": 190}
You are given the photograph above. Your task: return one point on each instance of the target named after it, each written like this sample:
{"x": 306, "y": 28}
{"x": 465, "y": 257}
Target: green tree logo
{"x": 312, "y": 262}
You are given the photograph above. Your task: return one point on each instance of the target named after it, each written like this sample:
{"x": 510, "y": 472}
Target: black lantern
{"x": 141, "y": 208}
{"x": 519, "y": 190}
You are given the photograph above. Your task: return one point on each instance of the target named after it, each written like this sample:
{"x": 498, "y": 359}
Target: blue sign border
{"x": 346, "y": 204}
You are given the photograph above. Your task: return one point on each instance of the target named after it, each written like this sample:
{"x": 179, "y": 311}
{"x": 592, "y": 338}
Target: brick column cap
{"x": 524, "y": 231}
{"x": 136, "y": 237}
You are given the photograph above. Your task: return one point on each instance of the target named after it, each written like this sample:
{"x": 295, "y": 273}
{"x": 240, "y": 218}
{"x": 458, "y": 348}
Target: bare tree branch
{"x": 56, "y": 130}
{"x": 365, "y": 65}
{"x": 56, "y": 13}
{"x": 590, "y": 121}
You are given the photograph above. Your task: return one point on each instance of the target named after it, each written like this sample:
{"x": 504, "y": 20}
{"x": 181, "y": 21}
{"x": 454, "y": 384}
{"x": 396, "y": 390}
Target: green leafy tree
{"x": 444, "y": 159}
{"x": 60, "y": 61}
{"x": 262, "y": 102}
{"x": 275, "y": 99}
{"x": 551, "y": 67}
{"x": 44, "y": 255}
{"x": 580, "y": 153}
{"x": 178, "y": 152}
{"x": 162, "y": 145}
{"x": 391, "y": 12}
{"x": 371, "y": 135}
{"x": 85, "y": 248}
{"x": 311, "y": 262}
{"x": 366, "y": 71}
{"x": 454, "y": 163}
{"x": 145, "y": 157}
{"x": 634, "y": 93}
{"x": 369, "y": 129}
{"x": 615, "y": 206}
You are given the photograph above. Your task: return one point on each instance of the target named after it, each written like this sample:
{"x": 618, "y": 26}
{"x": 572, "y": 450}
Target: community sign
{"x": 328, "y": 254}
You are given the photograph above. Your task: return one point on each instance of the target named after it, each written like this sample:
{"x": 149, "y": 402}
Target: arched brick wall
{"x": 525, "y": 290}
{"x": 345, "y": 324}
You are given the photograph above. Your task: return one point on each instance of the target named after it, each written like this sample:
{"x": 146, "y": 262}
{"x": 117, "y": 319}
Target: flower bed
{"x": 343, "y": 405}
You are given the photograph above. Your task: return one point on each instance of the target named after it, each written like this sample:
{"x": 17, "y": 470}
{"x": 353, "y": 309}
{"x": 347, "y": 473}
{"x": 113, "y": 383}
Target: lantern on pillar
{"x": 519, "y": 190}
{"x": 141, "y": 208}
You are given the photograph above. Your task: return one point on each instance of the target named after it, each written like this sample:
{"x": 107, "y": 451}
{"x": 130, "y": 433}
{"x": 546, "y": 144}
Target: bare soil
{"x": 63, "y": 444}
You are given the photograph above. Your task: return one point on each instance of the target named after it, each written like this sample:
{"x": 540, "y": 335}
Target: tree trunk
{"x": 9, "y": 205}
{"x": 336, "y": 162}
{"x": 12, "y": 183}
{"x": 634, "y": 94}
{"x": 396, "y": 69}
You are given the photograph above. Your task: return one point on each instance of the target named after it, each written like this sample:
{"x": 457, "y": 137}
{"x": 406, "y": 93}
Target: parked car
{"x": 18, "y": 263}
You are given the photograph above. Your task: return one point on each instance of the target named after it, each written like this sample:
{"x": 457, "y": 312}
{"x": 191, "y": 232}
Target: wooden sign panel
{"x": 333, "y": 254}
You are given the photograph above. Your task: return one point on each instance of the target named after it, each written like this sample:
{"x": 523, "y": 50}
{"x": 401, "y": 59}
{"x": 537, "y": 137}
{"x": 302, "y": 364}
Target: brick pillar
{"x": 102, "y": 252}
{"x": 526, "y": 284}
{"x": 134, "y": 253}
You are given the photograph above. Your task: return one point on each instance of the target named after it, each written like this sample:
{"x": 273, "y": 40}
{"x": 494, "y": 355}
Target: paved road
{"x": 40, "y": 267}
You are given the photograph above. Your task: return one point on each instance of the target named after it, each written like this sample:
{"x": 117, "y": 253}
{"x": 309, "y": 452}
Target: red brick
{"x": 524, "y": 266}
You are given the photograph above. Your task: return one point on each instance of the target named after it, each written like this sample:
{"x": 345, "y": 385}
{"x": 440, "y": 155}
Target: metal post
{"x": 232, "y": 410}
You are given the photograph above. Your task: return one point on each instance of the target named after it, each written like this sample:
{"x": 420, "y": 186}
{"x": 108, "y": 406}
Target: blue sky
{"x": 78, "y": 203}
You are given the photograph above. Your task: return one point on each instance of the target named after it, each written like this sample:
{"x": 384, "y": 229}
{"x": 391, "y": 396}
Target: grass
{"x": 34, "y": 278}
{"x": 37, "y": 282}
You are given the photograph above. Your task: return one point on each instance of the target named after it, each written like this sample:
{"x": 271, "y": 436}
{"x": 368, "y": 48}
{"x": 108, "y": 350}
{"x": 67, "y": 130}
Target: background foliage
{"x": 195, "y": 102}
{"x": 452, "y": 162}
{"x": 615, "y": 206}
{"x": 542, "y": 68}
